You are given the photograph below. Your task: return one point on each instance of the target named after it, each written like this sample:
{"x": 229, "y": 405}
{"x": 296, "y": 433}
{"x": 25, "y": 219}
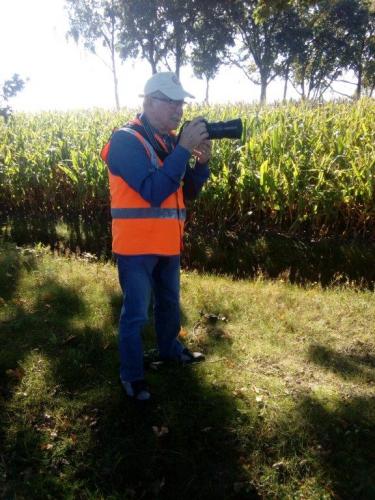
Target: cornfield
{"x": 300, "y": 169}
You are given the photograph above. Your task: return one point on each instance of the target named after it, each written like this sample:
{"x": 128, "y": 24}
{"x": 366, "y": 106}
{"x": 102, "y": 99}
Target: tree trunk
{"x": 286, "y": 82}
{"x": 153, "y": 67}
{"x": 178, "y": 58}
{"x": 115, "y": 80}
{"x": 207, "y": 90}
{"x": 303, "y": 96}
{"x": 263, "y": 89}
{"x": 151, "y": 59}
{"x": 358, "y": 91}
{"x": 114, "y": 69}
{"x": 360, "y": 73}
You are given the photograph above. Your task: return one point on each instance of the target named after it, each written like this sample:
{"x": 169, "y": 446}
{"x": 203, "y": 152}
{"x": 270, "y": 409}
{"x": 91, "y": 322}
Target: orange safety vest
{"x": 137, "y": 227}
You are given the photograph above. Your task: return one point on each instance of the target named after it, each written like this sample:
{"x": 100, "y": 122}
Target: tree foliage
{"x": 212, "y": 36}
{"x": 258, "y": 51}
{"x": 9, "y": 89}
{"x": 141, "y": 23}
{"x": 356, "y": 25}
{"x": 319, "y": 60}
{"x": 321, "y": 39}
{"x": 94, "y": 21}
{"x": 309, "y": 43}
{"x": 163, "y": 30}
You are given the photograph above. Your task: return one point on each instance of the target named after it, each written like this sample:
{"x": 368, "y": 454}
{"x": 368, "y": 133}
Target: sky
{"x": 63, "y": 75}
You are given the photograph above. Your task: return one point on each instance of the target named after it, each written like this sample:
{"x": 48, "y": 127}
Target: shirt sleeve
{"x": 194, "y": 180}
{"x": 128, "y": 159}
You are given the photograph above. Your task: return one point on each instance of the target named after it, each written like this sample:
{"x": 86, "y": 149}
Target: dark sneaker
{"x": 188, "y": 358}
{"x": 136, "y": 390}
{"x": 151, "y": 359}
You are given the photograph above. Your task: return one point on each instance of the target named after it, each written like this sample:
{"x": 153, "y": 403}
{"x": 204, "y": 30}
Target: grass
{"x": 284, "y": 406}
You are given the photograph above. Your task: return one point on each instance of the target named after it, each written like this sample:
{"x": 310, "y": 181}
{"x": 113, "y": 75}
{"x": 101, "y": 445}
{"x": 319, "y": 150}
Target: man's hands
{"x": 194, "y": 134}
{"x": 203, "y": 151}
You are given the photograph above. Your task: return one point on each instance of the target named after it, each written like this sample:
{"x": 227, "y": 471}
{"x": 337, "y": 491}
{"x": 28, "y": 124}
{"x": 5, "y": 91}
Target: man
{"x": 150, "y": 178}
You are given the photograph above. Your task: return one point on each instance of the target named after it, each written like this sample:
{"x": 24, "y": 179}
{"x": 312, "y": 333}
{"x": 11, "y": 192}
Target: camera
{"x": 231, "y": 129}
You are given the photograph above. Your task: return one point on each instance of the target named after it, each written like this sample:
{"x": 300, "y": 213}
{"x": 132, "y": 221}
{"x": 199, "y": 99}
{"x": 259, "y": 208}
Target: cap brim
{"x": 178, "y": 96}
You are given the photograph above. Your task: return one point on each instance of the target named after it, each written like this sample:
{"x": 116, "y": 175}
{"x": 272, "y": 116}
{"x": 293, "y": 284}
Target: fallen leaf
{"x": 155, "y": 365}
{"x": 239, "y": 392}
{"x": 278, "y": 465}
{"x": 46, "y": 446}
{"x": 69, "y": 339}
{"x": 183, "y": 333}
{"x": 74, "y": 438}
{"x": 16, "y": 373}
{"x": 160, "y": 431}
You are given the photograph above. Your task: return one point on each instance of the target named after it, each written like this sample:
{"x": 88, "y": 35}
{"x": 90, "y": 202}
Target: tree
{"x": 369, "y": 70}
{"x": 320, "y": 58}
{"x": 355, "y": 23}
{"x": 205, "y": 65}
{"x": 291, "y": 40}
{"x": 94, "y": 21}
{"x": 259, "y": 43}
{"x": 161, "y": 29}
{"x": 142, "y": 24}
{"x": 321, "y": 39}
{"x": 212, "y": 34}
{"x": 9, "y": 89}
{"x": 180, "y": 17}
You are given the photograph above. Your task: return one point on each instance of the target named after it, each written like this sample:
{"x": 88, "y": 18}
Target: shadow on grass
{"x": 343, "y": 439}
{"x": 344, "y": 435}
{"x": 240, "y": 252}
{"x": 11, "y": 263}
{"x": 184, "y": 445}
{"x": 64, "y": 234}
{"x": 348, "y": 365}
{"x": 327, "y": 261}
{"x": 192, "y": 442}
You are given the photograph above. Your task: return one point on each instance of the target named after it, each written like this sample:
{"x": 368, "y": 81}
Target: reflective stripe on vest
{"x": 148, "y": 213}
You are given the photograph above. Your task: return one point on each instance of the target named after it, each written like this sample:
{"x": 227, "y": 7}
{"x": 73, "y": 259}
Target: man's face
{"x": 165, "y": 113}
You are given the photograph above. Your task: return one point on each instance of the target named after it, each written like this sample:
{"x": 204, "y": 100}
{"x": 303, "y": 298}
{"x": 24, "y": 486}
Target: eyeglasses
{"x": 170, "y": 102}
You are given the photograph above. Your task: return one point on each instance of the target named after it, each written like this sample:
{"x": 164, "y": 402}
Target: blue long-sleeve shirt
{"x": 128, "y": 159}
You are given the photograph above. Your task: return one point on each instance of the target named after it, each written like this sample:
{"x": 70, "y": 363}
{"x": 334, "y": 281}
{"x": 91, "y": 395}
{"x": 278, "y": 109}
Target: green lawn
{"x": 284, "y": 406}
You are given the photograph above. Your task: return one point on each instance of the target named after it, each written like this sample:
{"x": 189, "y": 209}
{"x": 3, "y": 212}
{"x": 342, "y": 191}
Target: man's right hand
{"x": 193, "y": 134}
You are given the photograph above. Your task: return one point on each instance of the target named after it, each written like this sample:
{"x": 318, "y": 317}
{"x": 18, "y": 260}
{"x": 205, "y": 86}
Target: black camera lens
{"x": 231, "y": 129}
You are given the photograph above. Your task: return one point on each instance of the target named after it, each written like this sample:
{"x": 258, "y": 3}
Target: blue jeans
{"x": 139, "y": 275}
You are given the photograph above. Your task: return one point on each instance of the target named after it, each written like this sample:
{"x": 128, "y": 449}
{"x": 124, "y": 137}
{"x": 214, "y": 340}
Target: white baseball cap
{"x": 167, "y": 83}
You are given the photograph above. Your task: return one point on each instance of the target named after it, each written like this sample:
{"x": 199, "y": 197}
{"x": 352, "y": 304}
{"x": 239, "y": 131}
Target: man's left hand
{"x": 203, "y": 151}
